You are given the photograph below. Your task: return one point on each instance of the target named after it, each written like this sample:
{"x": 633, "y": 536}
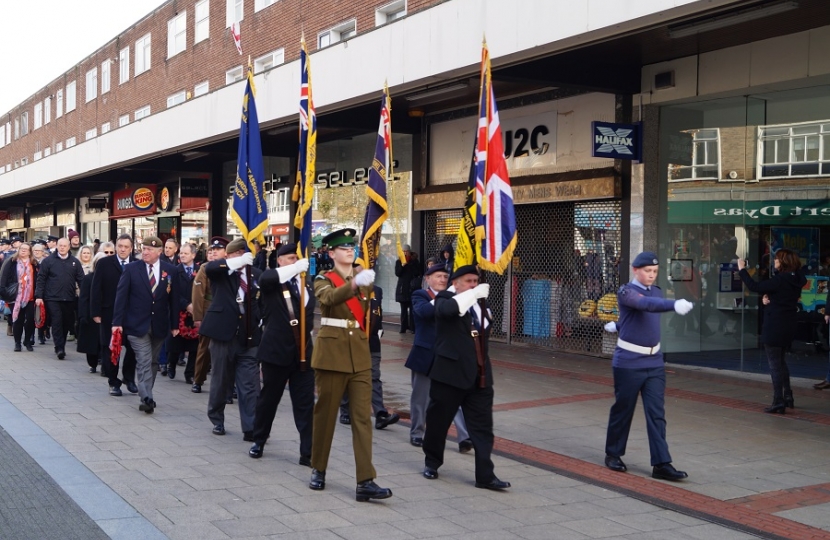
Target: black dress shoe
{"x": 18, "y": 347}
{"x": 615, "y": 464}
{"x": 255, "y": 451}
{"x": 822, "y": 385}
{"x": 318, "y": 480}
{"x": 115, "y": 391}
{"x": 29, "y": 347}
{"x": 196, "y": 389}
{"x": 345, "y": 420}
{"x": 163, "y": 371}
{"x": 495, "y": 484}
{"x": 666, "y": 471}
{"x": 148, "y": 405}
{"x": 131, "y": 387}
{"x": 61, "y": 355}
{"x": 248, "y": 436}
{"x": 430, "y": 473}
{"x": 218, "y": 429}
{"x": 465, "y": 446}
{"x": 171, "y": 374}
{"x": 305, "y": 460}
{"x": 789, "y": 401}
{"x": 42, "y": 341}
{"x": 182, "y": 362}
{"x": 776, "y": 408}
{"x": 229, "y": 401}
{"x": 416, "y": 441}
{"x": 384, "y": 419}
{"x": 188, "y": 380}
{"x": 93, "y": 370}
{"x": 369, "y": 490}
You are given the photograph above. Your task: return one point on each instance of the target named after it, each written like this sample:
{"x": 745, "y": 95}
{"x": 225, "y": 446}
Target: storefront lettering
{"x": 523, "y": 136}
{"x": 335, "y": 179}
{"x": 125, "y": 203}
{"x": 771, "y": 211}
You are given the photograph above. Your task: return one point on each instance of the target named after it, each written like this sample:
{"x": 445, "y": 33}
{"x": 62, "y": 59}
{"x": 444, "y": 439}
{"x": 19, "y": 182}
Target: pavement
{"x": 92, "y": 465}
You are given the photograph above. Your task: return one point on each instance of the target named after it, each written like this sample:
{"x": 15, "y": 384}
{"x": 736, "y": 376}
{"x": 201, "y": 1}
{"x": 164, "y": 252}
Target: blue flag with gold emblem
{"x": 249, "y": 210}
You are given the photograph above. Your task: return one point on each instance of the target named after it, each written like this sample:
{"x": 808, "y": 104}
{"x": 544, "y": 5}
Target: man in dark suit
{"x": 145, "y": 312}
{"x": 58, "y": 280}
{"x": 185, "y": 272}
{"x": 260, "y": 257}
{"x": 279, "y": 351}
{"x": 421, "y": 357}
{"x": 461, "y": 376}
{"x": 101, "y": 305}
{"x": 171, "y": 251}
{"x": 232, "y": 324}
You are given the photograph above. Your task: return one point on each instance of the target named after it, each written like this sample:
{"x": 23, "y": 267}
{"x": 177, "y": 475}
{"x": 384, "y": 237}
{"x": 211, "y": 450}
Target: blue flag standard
{"x": 249, "y": 211}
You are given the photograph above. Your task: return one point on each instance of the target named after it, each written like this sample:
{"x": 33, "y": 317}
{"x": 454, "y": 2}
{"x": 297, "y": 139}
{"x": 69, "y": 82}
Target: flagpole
{"x": 301, "y": 202}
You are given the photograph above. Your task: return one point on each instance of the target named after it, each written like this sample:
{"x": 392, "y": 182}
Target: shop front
{"x": 94, "y": 218}
{"x": 743, "y": 177}
{"x": 568, "y": 216}
{"x": 133, "y": 210}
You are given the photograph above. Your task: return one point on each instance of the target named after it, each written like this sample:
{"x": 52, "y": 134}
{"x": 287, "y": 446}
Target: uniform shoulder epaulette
{"x": 320, "y": 276}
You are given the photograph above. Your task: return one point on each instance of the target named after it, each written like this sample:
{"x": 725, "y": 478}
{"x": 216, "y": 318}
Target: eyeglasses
{"x": 109, "y": 253}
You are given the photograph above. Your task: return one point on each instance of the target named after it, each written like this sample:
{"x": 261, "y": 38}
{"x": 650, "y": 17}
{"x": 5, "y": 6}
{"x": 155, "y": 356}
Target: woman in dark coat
{"x": 89, "y": 336}
{"x": 781, "y": 293}
{"x": 22, "y": 269}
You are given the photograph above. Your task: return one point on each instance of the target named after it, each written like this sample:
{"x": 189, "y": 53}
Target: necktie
{"x": 122, "y": 265}
{"x": 152, "y": 278}
{"x": 189, "y": 271}
{"x": 243, "y": 284}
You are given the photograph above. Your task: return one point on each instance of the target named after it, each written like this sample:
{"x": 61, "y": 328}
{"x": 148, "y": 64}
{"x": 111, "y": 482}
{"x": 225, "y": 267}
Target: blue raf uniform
{"x": 639, "y": 370}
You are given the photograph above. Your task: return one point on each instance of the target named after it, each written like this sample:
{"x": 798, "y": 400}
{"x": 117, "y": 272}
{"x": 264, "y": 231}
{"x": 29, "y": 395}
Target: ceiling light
{"x": 731, "y": 18}
{"x": 438, "y": 92}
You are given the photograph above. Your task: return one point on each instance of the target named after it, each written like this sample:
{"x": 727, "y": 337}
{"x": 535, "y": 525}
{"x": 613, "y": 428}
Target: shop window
{"x": 338, "y": 33}
{"x": 264, "y": 63}
{"x": 142, "y": 55}
{"x": 202, "y": 26}
{"x": 705, "y": 159}
{"x": 390, "y": 12}
{"x": 177, "y": 34}
{"x": 794, "y": 150}
{"x": 233, "y": 75}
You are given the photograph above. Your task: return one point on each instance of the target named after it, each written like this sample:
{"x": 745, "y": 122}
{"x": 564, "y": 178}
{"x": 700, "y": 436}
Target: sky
{"x": 53, "y": 36}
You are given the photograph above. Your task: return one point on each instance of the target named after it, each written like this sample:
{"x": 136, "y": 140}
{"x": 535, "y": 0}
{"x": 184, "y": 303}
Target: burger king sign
{"x": 140, "y": 201}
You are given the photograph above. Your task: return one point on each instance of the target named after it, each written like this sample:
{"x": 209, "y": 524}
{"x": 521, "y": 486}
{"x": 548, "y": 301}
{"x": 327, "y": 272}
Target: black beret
{"x": 287, "y": 249}
{"x": 5, "y": 242}
{"x": 463, "y": 271}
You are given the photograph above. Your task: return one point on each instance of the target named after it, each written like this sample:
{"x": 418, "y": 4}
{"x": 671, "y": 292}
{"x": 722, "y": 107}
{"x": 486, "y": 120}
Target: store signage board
{"x": 132, "y": 202}
{"x": 769, "y": 212}
{"x": 617, "y": 141}
{"x": 194, "y": 187}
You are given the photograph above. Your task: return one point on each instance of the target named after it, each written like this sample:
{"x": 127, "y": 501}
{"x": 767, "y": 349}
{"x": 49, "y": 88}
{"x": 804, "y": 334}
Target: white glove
{"x": 683, "y": 306}
{"x": 365, "y": 277}
{"x": 611, "y": 327}
{"x": 235, "y": 263}
{"x": 482, "y": 290}
{"x": 290, "y": 270}
{"x": 465, "y": 300}
{"x": 380, "y": 334}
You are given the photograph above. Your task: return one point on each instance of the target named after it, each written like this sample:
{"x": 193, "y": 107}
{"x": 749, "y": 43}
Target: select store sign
{"x": 134, "y": 202}
{"x": 771, "y": 212}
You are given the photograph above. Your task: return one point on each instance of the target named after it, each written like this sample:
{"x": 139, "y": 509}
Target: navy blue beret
{"x": 286, "y": 249}
{"x": 436, "y": 268}
{"x": 646, "y": 258}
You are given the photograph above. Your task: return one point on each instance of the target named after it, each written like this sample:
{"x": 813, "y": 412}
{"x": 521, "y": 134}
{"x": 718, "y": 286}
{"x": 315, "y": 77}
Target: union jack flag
{"x": 307, "y": 159}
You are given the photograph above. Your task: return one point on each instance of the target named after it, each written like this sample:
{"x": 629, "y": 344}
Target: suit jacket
{"x": 184, "y": 286}
{"x": 422, "y": 354}
{"x": 340, "y": 349}
{"x": 455, "y": 353}
{"x": 138, "y": 309}
{"x": 200, "y": 294}
{"x": 278, "y": 345}
{"x": 104, "y": 284}
{"x": 224, "y": 320}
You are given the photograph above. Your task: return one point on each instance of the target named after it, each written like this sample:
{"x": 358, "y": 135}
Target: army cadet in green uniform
{"x": 341, "y": 361}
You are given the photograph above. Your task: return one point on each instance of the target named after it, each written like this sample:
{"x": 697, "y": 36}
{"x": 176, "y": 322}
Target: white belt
{"x": 622, "y": 344}
{"x": 340, "y": 323}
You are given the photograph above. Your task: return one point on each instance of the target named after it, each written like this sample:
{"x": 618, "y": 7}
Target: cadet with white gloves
{"x": 638, "y": 367}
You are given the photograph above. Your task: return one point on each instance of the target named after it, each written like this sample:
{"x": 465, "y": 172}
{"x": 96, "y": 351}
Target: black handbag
{"x": 9, "y": 292}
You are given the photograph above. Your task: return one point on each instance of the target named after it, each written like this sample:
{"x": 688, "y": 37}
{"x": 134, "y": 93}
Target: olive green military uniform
{"x": 201, "y": 302}
{"x": 341, "y": 361}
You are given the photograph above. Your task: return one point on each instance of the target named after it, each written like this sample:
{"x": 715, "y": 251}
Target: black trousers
{"x": 407, "y": 322}
{"x": 107, "y": 367}
{"x": 301, "y": 390}
{"x": 62, "y": 315}
{"x": 25, "y": 321}
{"x": 477, "y": 405}
{"x": 628, "y": 385}
{"x": 778, "y": 370}
{"x": 176, "y": 346}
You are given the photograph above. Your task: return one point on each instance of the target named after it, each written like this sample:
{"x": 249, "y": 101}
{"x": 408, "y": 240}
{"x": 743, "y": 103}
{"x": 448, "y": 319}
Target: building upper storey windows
{"x": 70, "y": 96}
{"x": 142, "y": 113}
{"x": 234, "y": 12}
{"x": 91, "y": 84}
{"x": 142, "y": 55}
{"x": 390, "y": 12}
{"x": 47, "y": 110}
{"x": 201, "y": 89}
{"x": 177, "y": 34}
{"x": 790, "y": 150}
{"x": 338, "y": 33}
{"x": 59, "y": 103}
{"x": 233, "y": 75}
{"x": 266, "y": 62}
{"x": 262, "y": 4}
{"x": 124, "y": 65}
{"x": 202, "y": 21}
{"x": 175, "y": 99}
{"x": 38, "y": 115}
{"x": 105, "y": 76}
{"x": 705, "y": 159}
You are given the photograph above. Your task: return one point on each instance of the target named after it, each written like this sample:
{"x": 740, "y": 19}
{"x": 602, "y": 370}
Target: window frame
{"x": 143, "y": 111}
{"x": 71, "y": 97}
{"x": 106, "y": 75}
{"x": 91, "y": 134}
{"x": 105, "y": 128}
{"x": 70, "y": 142}
{"x": 228, "y": 75}
{"x": 272, "y": 56}
{"x": 123, "y": 120}
{"x": 175, "y": 97}
{"x": 822, "y": 162}
{"x": 174, "y": 35}
{"x": 259, "y": 5}
{"x": 59, "y": 103}
{"x": 196, "y": 92}
{"x": 144, "y": 44}
{"x": 337, "y": 31}
{"x": 124, "y": 65}
{"x": 24, "y": 123}
{"x": 37, "y": 116}
{"x": 392, "y": 8}
{"x": 697, "y": 144}
{"x": 91, "y": 89}
{"x": 47, "y": 110}
{"x": 203, "y": 23}
{"x": 231, "y": 7}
